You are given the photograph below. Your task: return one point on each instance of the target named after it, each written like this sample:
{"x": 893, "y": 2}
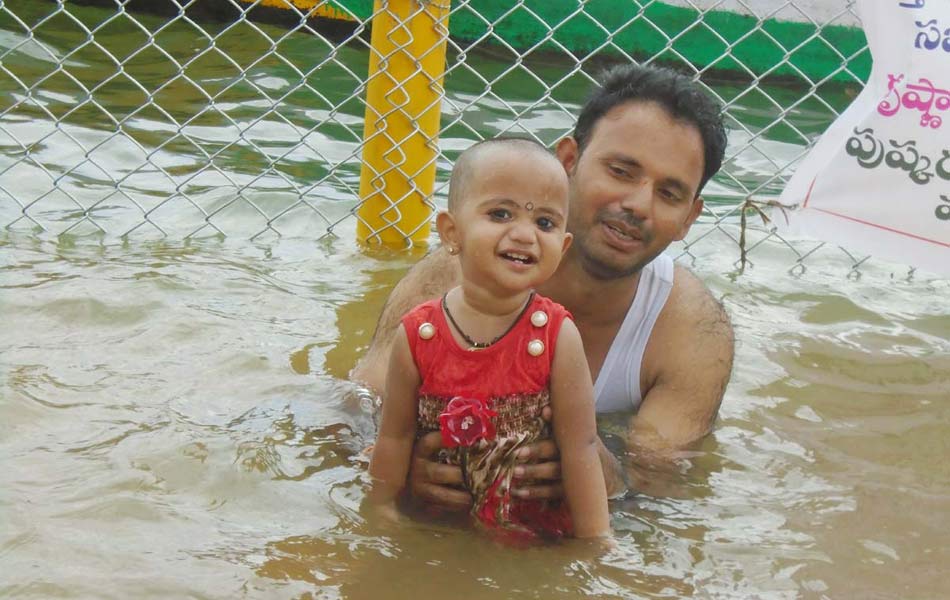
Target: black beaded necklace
{"x": 482, "y": 345}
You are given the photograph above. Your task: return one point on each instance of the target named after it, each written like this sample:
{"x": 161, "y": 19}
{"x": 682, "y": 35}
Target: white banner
{"x": 879, "y": 178}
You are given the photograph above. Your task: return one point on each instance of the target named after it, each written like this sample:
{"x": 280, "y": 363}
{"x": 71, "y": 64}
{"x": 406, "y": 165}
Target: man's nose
{"x": 639, "y": 199}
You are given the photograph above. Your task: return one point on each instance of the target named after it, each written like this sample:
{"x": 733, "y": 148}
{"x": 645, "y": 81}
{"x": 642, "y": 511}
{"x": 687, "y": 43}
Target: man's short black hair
{"x": 679, "y": 95}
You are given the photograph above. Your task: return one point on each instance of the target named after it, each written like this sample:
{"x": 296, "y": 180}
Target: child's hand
{"x": 387, "y": 514}
{"x": 595, "y": 547}
{"x": 607, "y": 543}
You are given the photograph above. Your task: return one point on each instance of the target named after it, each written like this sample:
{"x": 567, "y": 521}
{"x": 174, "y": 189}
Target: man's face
{"x": 633, "y": 189}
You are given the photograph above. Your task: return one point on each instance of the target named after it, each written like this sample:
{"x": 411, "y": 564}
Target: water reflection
{"x": 434, "y": 560}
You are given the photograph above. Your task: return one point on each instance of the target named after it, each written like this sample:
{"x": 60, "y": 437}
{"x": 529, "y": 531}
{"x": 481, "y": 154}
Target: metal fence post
{"x": 403, "y": 103}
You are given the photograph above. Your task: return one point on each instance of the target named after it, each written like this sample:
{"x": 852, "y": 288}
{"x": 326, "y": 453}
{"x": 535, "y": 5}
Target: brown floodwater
{"x": 175, "y": 419}
{"x": 175, "y": 422}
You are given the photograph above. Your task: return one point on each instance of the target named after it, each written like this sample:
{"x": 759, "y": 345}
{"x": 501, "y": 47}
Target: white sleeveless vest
{"x": 618, "y": 383}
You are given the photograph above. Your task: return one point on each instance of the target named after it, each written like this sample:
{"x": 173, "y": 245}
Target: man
{"x": 645, "y": 144}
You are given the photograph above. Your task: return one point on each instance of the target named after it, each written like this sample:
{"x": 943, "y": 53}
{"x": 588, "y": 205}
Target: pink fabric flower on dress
{"x": 466, "y": 421}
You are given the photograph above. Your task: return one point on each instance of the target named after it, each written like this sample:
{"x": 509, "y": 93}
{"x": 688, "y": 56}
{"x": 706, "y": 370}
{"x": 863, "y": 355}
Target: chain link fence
{"x": 184, "y": 118}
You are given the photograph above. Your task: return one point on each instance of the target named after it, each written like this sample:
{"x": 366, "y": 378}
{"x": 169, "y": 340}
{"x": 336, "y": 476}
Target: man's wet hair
{"x": 682, "y": 98}
{"x": 465, "y": 163}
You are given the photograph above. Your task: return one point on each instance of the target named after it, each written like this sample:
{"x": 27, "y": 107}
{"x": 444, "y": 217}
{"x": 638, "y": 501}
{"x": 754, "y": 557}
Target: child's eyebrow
{"x": 500, "y": 202}
{"x": 508, "y": 202}
{"x": 549, "y": 211}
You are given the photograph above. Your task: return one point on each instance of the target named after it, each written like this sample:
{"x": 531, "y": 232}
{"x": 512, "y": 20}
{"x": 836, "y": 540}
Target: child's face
{"x": 511, "y": 224}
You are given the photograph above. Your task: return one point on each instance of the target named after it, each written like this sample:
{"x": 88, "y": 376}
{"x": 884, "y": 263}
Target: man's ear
{"x": 567, "y": 153}
{"x": 694, "y": 211}
{"x": 448, "y": 232}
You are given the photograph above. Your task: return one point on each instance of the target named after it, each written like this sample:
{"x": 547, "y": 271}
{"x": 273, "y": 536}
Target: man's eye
{"x": 500, "y": 214}
{"x": 546, "y": 224}
{"x": 618, "y": 171}
{"x": 669, "y": 195}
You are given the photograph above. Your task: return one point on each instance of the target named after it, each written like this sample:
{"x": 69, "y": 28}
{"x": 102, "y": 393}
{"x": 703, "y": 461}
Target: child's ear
{"x": 568, "y": 238}
{"x": 448, "y": 232}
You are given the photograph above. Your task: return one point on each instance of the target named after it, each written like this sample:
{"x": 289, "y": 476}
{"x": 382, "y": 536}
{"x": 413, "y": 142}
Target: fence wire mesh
{"x": 203, "y": 118}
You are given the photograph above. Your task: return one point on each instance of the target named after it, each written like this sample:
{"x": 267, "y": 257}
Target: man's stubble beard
{"x": 596, "y": 267}
{"x": 593, "y": 266}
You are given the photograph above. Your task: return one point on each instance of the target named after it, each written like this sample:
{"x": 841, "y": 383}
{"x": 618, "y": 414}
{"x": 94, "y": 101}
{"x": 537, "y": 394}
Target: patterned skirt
{"x": 488, "y": 468}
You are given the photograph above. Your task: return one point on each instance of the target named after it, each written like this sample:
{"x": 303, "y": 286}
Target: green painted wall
{"x": 643, "y": 32}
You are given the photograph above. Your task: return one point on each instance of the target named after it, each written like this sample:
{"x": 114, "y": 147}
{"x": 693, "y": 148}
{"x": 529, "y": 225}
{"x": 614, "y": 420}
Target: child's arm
{"x": 575, "y": 431}
{"x": 389, "y": 464}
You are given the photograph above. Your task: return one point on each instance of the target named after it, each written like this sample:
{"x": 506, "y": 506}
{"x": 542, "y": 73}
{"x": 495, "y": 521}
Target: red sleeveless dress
{"x": 510, "y": 378}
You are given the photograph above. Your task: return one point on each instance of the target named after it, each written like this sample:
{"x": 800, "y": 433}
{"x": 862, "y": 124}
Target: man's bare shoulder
{"x": 692, "y": 333}
{"x": 692, "y": 304}
{"x": 431, "y": 277}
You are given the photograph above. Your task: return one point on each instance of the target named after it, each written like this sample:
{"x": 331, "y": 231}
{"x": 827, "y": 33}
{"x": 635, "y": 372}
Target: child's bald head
{"x": 470, "y": 163}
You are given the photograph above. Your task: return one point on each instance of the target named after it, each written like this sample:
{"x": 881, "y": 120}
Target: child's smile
{"x": 515, "y": 211}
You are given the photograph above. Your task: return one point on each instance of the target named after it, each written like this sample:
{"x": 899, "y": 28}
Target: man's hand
{"x": 540, "y": 469}
{"x": 434, "y": 483}
{"x": 538, "y": 476}
{"x": 437, "y": 484}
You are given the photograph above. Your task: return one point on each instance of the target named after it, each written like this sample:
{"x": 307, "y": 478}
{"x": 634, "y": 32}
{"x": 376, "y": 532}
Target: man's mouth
{"x": 519, "y": 257}
{"x": 624, "y": 233}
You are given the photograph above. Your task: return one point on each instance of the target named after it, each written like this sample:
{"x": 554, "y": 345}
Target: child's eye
{"x": 546, "y": 224}
{"x": 500, "y": 214}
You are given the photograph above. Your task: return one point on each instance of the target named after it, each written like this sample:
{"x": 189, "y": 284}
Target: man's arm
{"x": 429, "y": 278}
{"x": 687, "y": 365}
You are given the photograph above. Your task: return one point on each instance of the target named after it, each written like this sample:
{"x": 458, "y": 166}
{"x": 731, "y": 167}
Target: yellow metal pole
{"x": 403, "y": 101}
